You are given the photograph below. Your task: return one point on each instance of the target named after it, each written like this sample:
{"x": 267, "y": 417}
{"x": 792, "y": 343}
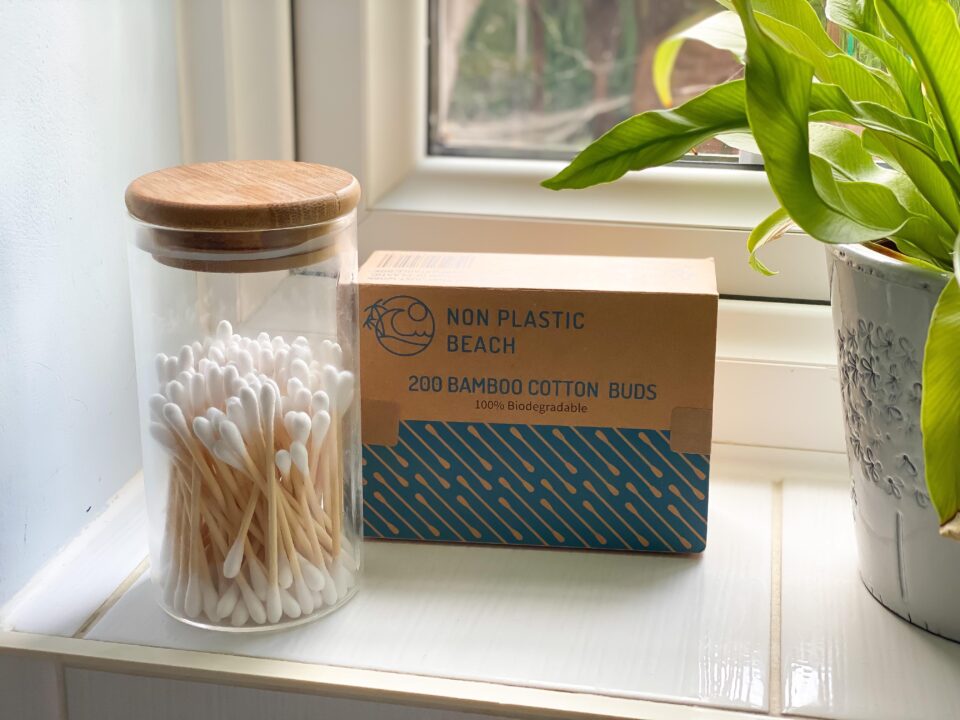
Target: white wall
{"x": 88, "y": 101}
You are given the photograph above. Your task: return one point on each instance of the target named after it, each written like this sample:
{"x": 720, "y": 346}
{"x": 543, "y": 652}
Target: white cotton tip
{"x": 216, "y": 355}
{"x": 293, "y": 385}
{"x": 299, "y": 370}
{"x": 320, "y": 425}
{"x": 291, "y": 608}
{"x": 230, "y": 375}
{"x": 215, "y": 416}
{"x": 301, "y": 341}
{"x": 320, "y": 402}
{"x": 214, "y": 380}
{"x": 268, "y": 403}
{"x": 302, "y": 400}
{"x": 197, "y": 348}
{"x": 156, "y": 402}
{"x": 263, "y": 338}
{"x": 231, "y": 434}
{"x": 193, "y": 599}
{"x": 235, "y": 386}
{"x": 298, "y": 454}
{"x": 274, "y": 605}
{"x": 183, "y": 377}
{"x": 329, "y": 589}
{"x": 253, "y": 382}
{"x": 223, "y": 453}
{"x": 210, "y": 600}
{"x": 224, "y": 331}
{"x": 173, "y": 367}
{"x": 299, "y": 352}
{"x": 160, "y": 365}
{"x": 266, "y": 361}
{"x": 198, "y": 392}
{"x": 228, "y": 601}
{"x": 175, "y": 392}
{"x": 174, "y": 416}
{"x": 239, "y": 615}
{"x": 303, "y": 595}
{"x": 258, "y": 578}
{"x": 185, "y": 358}
{"x": 278, "y": 342}
{"x": 235, "y": 413}
{"x": 345, "y": 389}
{"x": 234, "y": 559}
{"x": 298, "y": 426}
{"x": 331, "y": 353}
{"x": 330, "y": 376}
{"x": 311, "y": 574}
{"x": 282, "y": 459}
{"x": 251, "y": 411}
{"x": 254, "y": 605}
{"x": 244, "y": 362}
{"x": 204, "y": 431}
{"x": 163, "y": 437}
{"x": 284, "y": 573}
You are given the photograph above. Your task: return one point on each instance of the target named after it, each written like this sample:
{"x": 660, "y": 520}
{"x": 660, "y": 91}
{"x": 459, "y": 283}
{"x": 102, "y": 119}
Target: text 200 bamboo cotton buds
{"x": 251, "y": 437}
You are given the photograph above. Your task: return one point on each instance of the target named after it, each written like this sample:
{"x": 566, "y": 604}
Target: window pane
{"x": 541, "y": 78}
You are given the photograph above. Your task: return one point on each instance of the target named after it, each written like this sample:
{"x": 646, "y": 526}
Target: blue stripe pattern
{"x": 540, "y": 485}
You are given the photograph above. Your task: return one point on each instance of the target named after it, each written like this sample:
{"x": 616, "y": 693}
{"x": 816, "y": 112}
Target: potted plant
{"x": 864, "y": 155}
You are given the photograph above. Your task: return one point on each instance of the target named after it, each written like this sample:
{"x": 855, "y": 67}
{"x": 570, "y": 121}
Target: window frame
{"x": 389, "y": 89}
{"x": 364, "y": 110}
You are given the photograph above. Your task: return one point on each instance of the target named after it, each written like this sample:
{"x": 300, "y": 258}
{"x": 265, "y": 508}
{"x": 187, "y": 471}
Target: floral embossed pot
{"x": 881, "y": 311}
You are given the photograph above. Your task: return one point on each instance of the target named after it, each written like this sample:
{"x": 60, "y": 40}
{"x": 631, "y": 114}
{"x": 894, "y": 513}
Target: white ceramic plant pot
{"x": 881, "y": 310}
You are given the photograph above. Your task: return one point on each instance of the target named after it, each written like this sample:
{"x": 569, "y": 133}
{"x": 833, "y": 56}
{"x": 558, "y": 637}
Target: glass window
{"x": 542, "y": 78}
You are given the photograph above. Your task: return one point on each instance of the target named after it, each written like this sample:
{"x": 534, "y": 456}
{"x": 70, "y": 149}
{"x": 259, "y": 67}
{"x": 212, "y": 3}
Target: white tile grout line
{"x": 776, "y": 558}
{"x": 112, "y": 599}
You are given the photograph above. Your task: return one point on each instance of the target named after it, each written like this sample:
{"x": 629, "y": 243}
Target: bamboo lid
{"x": 242, "y": 196}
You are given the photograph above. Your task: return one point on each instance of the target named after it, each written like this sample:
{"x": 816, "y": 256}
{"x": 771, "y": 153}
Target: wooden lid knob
{"x": 242, "y": 196}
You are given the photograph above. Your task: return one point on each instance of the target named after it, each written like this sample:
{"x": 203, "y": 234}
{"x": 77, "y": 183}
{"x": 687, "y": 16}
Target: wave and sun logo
{"x": 402, "y": 324}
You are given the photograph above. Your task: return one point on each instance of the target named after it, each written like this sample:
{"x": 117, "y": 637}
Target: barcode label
{"x": 416, "y": 261}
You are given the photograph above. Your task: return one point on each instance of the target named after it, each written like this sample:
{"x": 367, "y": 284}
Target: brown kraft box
{"x": 542, "y": 400}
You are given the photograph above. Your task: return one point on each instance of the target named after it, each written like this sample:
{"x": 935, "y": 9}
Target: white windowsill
{"x": 749, "y": 629}
{"x": 726, "y": 199}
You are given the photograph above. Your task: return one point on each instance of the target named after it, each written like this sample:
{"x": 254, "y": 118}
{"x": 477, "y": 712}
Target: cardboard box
{"x": 560, "y": 401}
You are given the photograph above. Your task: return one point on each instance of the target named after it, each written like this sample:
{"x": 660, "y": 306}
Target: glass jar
{"x": 243, "y": 279}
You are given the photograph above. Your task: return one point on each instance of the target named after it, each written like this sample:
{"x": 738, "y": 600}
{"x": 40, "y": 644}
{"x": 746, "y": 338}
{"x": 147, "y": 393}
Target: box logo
{"x": 402, "y": 324}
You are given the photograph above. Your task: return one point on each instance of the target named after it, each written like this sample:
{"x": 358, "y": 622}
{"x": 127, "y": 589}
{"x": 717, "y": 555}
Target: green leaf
{"x": 800, "y": 15}
{"x": 831, "y": 65}
{"x": 926, "y": 174}
{"x": 778, "y": 104}
{"x": 772, "y": 227}
{"x": 928, "y": 31}
{"x": 855, "y": 15}
{"x": 940, "y": 409}
{"x": 722, "y": 31}
{"x": 655, "y": 137}
{"x": 860, "y": 19}
{"x": 740, "y": 141}
{"x": 898, "y": 202}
